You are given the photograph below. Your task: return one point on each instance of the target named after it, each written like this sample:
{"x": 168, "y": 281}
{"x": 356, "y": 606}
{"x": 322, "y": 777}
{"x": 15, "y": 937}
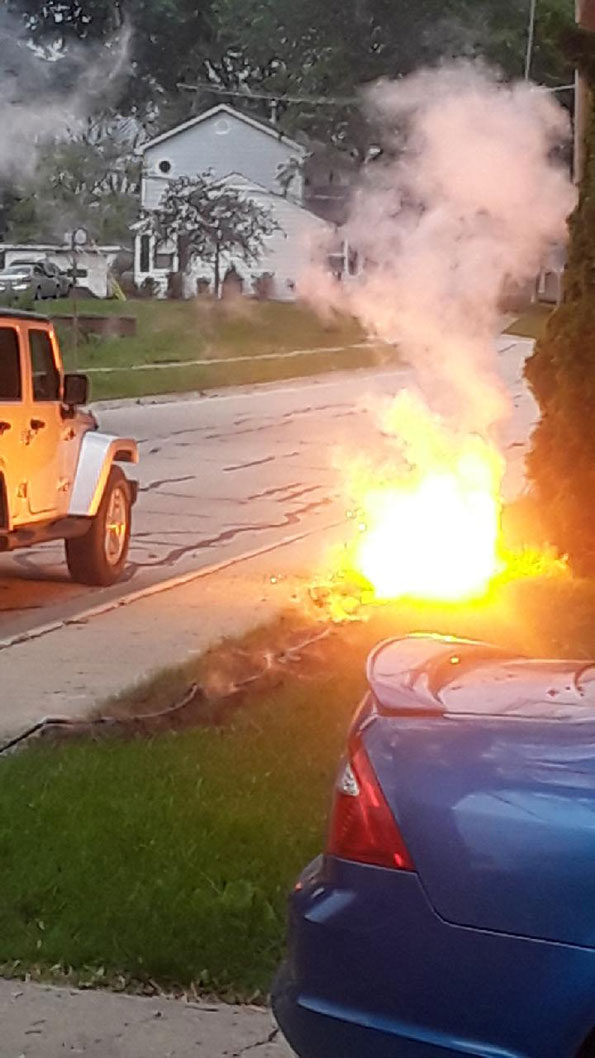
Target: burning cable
{"x": 191, "y": 694}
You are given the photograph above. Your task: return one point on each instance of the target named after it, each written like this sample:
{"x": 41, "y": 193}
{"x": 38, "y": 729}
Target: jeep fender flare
{"x": 98, "y": 453}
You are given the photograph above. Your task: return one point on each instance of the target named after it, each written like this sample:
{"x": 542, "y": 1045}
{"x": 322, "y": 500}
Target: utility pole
{"x": 530, "y": 39}
{"x": 585, "y": 17}
{"x": 78, "y": 239}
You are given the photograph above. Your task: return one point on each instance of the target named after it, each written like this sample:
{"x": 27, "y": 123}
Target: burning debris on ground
{"x": 327, "y": 636}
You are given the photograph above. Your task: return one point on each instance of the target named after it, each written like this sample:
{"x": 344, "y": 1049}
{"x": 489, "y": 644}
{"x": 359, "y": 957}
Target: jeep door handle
{"x": 37, "y": 424}
{"x": 4, "y": 426}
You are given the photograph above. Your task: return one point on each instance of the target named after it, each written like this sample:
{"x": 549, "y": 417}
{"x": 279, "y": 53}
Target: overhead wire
{"x": 284, "y": 97}
{"x": 272, "y": 97}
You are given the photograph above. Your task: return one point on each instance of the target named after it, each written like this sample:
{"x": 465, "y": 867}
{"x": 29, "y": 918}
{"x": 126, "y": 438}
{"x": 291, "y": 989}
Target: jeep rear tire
{"x": 100, "y": 555}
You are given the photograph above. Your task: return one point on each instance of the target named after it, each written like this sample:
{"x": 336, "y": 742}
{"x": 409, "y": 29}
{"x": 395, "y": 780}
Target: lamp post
{"x": 78, "y": 239}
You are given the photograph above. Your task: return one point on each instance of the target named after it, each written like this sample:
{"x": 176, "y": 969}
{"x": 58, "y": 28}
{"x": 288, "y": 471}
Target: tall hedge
{"x": 561, "y": 373}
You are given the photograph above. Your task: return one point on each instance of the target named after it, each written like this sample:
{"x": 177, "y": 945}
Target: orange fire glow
{"x": 433, "y": 531}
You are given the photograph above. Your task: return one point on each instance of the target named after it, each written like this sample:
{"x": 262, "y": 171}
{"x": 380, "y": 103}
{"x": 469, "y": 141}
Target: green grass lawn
{"x": 170, "y": 331}
{"x": 167, "y": 858}
{"x": 532, "y": 322}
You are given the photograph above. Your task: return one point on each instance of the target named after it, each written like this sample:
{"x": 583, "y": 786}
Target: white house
{"x": 247, "y": 155}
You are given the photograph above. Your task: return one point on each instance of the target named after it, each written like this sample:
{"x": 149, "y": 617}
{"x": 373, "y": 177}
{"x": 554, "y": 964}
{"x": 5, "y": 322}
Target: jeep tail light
{"x": 362, "y": 826}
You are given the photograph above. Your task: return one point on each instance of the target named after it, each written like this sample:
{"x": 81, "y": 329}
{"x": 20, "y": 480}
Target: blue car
{"x": 453, "y": 912}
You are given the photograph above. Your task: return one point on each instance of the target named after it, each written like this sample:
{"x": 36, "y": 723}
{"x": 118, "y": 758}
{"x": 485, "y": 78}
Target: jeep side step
{"x": 43, "y": 532}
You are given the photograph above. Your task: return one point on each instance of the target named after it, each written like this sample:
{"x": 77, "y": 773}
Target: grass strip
{"x": 531, "y": 324}
{"x": 244, "y": 339}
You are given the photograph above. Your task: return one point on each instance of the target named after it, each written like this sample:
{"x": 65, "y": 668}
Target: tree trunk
{"x": 118, "y": 15}
{"x": 217, "y": 268}
{"x": 586, "y": 14}
{"x": 184, "y": 262}
{"x": 183, "y": 253}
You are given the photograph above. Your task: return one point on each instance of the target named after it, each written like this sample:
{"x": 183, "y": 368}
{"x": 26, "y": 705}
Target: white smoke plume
{"x": 469, "y": 193}
{"x": 50, "y": 96}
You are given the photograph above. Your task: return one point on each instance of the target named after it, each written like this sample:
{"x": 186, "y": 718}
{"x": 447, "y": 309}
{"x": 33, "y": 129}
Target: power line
{"x": 272, "y": 97}
{"x": 281, "y": 97}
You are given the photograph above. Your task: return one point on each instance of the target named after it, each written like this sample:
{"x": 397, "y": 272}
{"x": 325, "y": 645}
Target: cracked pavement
{"x": 234, "y": 470}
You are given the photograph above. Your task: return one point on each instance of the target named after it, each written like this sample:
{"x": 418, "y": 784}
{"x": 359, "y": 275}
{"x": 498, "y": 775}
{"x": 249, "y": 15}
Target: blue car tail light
{"x": 362, "y": 826}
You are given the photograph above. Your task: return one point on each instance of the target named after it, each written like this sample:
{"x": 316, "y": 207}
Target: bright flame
{"x": 432, "y": 532}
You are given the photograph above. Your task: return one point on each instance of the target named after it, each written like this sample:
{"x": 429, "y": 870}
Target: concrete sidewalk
{"x": 37, "y": 1021}
{"x": 70, "y": 668}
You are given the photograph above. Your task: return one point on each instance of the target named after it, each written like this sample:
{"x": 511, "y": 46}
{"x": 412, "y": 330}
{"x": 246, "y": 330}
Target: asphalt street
{"x": 235, "y": 470}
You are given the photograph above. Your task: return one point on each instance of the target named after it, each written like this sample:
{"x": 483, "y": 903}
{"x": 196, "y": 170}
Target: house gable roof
{"x": 237, "y": 180}
{"x": 224, "y": 108}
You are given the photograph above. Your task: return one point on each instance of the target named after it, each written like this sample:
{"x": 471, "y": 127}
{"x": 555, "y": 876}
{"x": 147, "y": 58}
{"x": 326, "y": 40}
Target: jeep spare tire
{"x": 100, "y": 555}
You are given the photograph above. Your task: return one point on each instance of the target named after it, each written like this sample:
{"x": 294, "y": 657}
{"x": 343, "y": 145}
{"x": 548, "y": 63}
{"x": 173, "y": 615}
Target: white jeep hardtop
{"x": 59, "y": 478}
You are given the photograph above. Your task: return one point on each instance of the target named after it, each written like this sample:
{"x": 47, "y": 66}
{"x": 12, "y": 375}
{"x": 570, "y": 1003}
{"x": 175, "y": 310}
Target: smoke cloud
{"x": 50, "y": 95}
{"x": 469, "y": 193}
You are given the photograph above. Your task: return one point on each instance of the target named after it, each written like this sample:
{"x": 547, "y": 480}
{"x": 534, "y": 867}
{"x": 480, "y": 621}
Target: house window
{"x": 222, "y": 127}
{"x": 336, "y": 264}
{"x": 164, "y": 261}
{"x": 165, "y": 166}
{"x": 145, "y": 253}
{"x": 164, "y": 257}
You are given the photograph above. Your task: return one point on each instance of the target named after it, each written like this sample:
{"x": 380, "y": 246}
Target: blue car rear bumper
{"x": 373, "y": 971}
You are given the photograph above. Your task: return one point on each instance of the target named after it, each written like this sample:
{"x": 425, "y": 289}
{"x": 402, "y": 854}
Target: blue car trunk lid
{"x": 487, "y": 761}
{"x": 456, "y": 677}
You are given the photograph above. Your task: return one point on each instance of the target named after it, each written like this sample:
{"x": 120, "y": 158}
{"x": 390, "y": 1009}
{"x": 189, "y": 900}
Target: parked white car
{"x": 29, "y": 277}
{"x": 59, "y": 475}
{"x": 62, "y": 279}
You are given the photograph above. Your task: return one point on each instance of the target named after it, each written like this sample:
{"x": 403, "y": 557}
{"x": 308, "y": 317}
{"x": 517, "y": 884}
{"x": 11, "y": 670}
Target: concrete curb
{"x": 209, "y": 361}
{"x": 160, "y": 587}
{"x": 320, "y": 381}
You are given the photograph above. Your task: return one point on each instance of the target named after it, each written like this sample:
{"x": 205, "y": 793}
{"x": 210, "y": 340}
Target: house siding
{"x": 246, "y": 157}
{"x": 224, "y": 144}
{"x": 286, "y": 253}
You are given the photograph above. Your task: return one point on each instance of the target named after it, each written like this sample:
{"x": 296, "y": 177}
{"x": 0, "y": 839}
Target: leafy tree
{"x": 168, "y": 39}
{"x": 561, "y": 371}
{"x": 325, "y": 51}
{"x": 210, "y": 220}
{"x": 288, "y": 48}
{"x": 91, "y": 180}
{"x": 499, "y": 32}
{"x": 20, "y": 217}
